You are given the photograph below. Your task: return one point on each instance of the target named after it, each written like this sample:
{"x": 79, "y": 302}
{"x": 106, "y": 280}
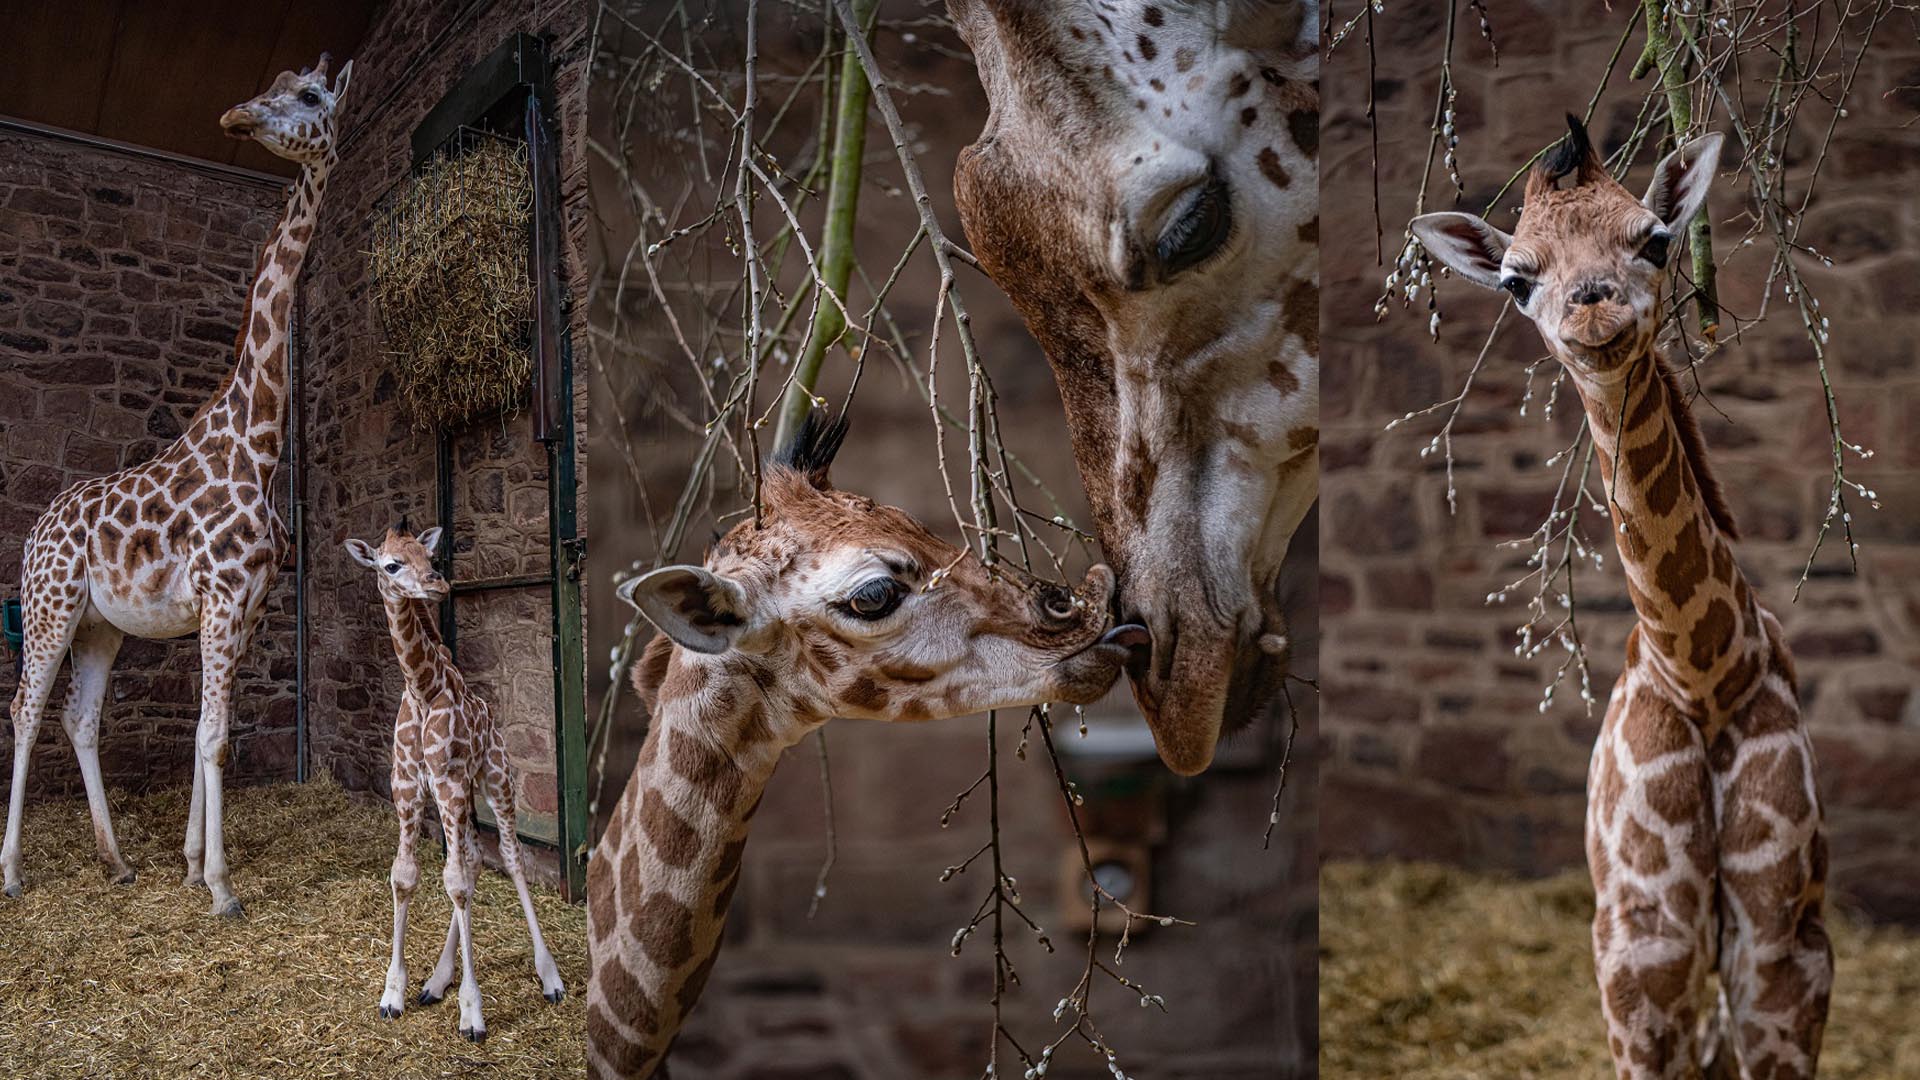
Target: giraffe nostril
{"x": 1592, "y": 292}
{"x": 1058, "y": 604}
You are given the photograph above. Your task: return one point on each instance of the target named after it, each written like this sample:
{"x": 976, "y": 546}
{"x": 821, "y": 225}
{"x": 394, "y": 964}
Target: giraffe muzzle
{"x": 239, "y": 123}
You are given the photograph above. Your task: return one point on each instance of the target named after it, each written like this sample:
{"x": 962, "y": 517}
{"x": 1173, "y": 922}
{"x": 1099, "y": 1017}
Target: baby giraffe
{"x": 830, "y": 606}
{"x": 445, "y": 746}
{"x": 1703, "y": 823}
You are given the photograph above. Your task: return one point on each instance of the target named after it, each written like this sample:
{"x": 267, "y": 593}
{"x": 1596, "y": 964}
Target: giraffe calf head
{"x": 857, "y": 610}
{"x": 404, "y": 563}
{"x": 295, "y": 117}
{"x": 1588, "y": 262}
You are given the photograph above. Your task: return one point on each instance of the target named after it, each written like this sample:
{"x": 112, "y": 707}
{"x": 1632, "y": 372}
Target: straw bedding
{"x": 1430, "y": 973}
{"x": 98, "y": 980}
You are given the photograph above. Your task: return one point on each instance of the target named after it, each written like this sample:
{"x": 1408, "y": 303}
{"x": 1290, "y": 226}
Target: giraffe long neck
{"x": 416, "y": 642}
{"x": 251, "y": 408}
{"x": 665, "y": 870}
{"x": 1700, "y": 628}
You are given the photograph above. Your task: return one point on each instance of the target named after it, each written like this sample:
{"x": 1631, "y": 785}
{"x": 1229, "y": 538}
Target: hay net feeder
{"x": 452, "y": 290}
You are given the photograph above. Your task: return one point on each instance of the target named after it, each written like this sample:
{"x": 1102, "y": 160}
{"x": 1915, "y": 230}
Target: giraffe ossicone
{"x": 185, "y": 542}
{"x": 833, "y": 605}
{"x": 446, "y": 750}
{"x": 1704, "y": 834}
{"x": 1145, "y": 191}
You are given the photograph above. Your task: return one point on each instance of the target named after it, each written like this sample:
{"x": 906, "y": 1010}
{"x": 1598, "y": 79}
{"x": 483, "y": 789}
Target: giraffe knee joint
{"x": 215, "y": 750}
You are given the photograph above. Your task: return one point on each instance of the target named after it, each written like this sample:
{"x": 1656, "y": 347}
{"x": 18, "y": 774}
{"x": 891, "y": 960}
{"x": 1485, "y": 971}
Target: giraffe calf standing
{"x": 445, "y": 747}
{"x": 1703, "y": 821}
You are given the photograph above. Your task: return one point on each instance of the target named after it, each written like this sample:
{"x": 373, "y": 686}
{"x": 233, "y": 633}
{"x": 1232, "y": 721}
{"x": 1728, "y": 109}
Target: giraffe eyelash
{"x": 874, "y": 600}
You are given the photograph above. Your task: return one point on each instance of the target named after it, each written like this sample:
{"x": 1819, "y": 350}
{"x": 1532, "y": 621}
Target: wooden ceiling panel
{"x": 159, "y": 73}
{"x": 177, "y": 75}
{"x": 58, "y": 56}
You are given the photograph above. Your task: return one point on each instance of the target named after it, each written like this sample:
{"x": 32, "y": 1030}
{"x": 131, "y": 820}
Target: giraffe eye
{"x": 1199, "y": 230}
{"x": 393, "y": 568}
{"x": 1518, "y": 287}
{"x": 875, "y": 600}
{"x": 1655, "y": 249}
{"x": 309, "y": 98}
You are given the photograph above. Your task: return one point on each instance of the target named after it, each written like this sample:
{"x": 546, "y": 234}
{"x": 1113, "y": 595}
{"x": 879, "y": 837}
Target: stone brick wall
{"x": 122, "y": 284}
{"x": 1437, "y": 747}
{"x": 370, "y": 465}
{"x": 867, "y": 988}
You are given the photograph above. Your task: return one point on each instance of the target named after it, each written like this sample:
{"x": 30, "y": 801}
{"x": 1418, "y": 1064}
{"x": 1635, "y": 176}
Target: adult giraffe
{"x": 189, "y": 540}
{"x": 1145, "y": 191}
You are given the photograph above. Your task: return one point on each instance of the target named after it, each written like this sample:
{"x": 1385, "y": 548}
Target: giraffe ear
{"x": 340, "y": 82}
{"x": 362, "y": 552}
{"x": 1469, "y": 245}
{"x": 698, "y": 609}
{"x": 430, "y": 540}
{"x": 1681, "y": 180}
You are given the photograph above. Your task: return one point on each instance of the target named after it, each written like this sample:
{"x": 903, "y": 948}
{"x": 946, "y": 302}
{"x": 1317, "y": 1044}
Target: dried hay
{"x": 451, "y": 284}
{"x": 98, "y": 980}
{"x": 1432, "y": 973}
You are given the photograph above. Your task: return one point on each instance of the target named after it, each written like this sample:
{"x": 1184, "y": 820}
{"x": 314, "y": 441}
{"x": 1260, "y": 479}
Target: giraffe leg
{"x": 473, "y": 1026}
{"x": 456, "y": 812}
{"x": 95, "y": 644}
{"x": 1776, "y": 962}
{"x": 50, "y": 614}
{"x": 1649, "y": 849}
{"x": 409, "y": 803}
{"x": 222, "y": 640}
{"x": 441, "y": 977}
{"x": 500, "y": 797}
{"x": 195, "y": 849}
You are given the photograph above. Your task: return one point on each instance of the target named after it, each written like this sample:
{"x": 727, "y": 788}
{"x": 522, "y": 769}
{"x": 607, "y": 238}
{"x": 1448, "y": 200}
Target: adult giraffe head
{"x": 1145, "y": 191}
{"x": 295, "y": 117}
{"x": 858, "y": 611}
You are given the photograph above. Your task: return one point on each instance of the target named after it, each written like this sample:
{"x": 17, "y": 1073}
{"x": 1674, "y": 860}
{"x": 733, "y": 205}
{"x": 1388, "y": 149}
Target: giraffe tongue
{"x": 1135, "y": 639}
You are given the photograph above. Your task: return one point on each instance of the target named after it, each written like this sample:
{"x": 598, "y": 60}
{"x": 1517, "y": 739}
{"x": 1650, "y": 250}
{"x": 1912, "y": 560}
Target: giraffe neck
{"x": 719, "y": 726}
{"x": 251, "y": 408}
{"x": 416, "y": 642}
{"x": 1700, "y": 632}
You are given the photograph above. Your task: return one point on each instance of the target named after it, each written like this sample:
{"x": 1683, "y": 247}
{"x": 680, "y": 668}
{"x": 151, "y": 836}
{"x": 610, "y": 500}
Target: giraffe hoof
{"x": 389, "y": 1012}
{"x": 554, "y": 995}
{"x": 233, "y": 910}
{"x": 474, "y": 1034}
{"x": 193, "y": 881}
{"x": 125, "y": 877}
{"x": 428, "y": 997}
{"x": 14, "y": 891}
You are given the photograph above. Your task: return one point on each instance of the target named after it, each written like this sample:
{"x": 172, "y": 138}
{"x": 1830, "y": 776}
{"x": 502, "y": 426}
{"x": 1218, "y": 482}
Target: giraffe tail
{"x": 1718, "y": 1058}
